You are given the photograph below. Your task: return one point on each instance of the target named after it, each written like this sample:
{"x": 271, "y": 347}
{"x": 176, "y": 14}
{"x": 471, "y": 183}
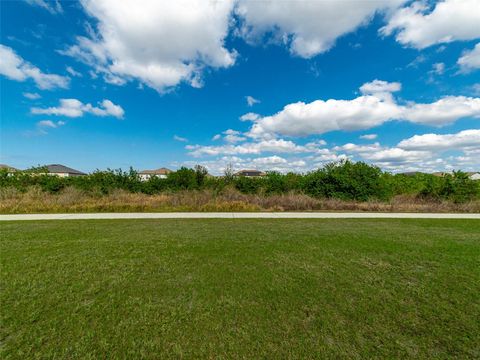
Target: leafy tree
{"x": 200, "y": 174}
{"x": 228, "y": 173}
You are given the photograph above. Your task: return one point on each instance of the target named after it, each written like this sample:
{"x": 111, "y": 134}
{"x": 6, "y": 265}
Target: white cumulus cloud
{"x": 470, "y": 60}
{"x": 270, "y": 145}
{"x": 375, "y": 107}
{"x": 318, "y": 117}
{"x": 427, "y": 153}
{"x": 444, "y": 111}
{"x": 249, "y": 117}
{"x": 15, "y": 68}
{"x": 419, "y": 25}
{"x": 465, "y": 139}
{"x": 160, "y": 43}
{"x": 308, "y": 28}
{"x": 380, "y": 86}
{"x": 75, "y": 108}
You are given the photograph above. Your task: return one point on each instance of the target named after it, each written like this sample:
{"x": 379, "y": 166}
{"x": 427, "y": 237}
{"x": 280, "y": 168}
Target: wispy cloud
{"x": 73, "y": 72}
{"x": 369, "y": 136}
{"x": 32, "y": 96}
{"x": 179, "y": 138}
{"x": 52, "y": 6}
{"x": 251, "y": 100}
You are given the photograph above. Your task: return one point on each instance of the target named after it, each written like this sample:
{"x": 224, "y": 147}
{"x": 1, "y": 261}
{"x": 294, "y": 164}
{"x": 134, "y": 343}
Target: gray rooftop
{"x": 161, "y": 171}
{"x": 58, "y": 168}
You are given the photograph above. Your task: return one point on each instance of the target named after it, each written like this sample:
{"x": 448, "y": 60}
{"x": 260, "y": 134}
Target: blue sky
{"x": 393, "y": 83}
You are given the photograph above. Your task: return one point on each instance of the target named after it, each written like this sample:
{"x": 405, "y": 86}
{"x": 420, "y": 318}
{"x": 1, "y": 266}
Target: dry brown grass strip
{"x": 73, "y": 200}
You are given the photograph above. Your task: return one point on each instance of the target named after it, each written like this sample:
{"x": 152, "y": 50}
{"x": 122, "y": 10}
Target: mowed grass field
{"x": 130, "y": 289}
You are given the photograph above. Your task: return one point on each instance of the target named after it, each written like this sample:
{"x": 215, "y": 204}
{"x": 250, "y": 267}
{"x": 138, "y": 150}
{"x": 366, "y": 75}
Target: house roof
{"x": 161, "y": 171}
{"x": 250, "y": 172}
{"x": 7, "y": 167}
{"x": 58, "y": 169}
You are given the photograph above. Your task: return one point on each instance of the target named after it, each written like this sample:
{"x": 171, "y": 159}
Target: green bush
{"x": 347, "y": 181}
{"x": 459, "y": 188}
{"x": 183, "y": 179}
{"x": 277, "y": 183}
{"x": 248, "y": 185}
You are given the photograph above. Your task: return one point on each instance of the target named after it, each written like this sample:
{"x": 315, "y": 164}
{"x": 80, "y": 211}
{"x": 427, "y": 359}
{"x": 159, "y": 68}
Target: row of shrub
{"x": 344, "y": 180}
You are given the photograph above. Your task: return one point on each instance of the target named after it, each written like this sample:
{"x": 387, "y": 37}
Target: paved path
{"x": 236, "y": 215}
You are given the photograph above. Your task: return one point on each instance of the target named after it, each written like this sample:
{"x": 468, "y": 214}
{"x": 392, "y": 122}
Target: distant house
{"x": 411, "y": 173}
{"x": 161, "y": 173}
{"x": 250, "y": 173}
{"x": 62, "y": 171}
{"x": 7, "y": 168}
{"x": 474, "y": 175}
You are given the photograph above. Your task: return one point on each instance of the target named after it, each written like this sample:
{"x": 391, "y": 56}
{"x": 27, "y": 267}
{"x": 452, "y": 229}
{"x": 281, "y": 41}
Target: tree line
{"x": 344, "y": 180}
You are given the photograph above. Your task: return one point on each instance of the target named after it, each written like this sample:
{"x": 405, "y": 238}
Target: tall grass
{"x": 71, "y": 199}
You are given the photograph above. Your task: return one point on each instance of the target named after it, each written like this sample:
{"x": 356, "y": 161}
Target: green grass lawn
{"x": 240, "y": 289}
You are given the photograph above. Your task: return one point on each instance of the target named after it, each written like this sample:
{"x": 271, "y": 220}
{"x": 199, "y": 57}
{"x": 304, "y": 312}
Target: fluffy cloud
{"x": 470, "y": 60}
{"x": 380, "y": 86}
{"x": 271, "y": 145}
{"x": 318, "y": 117}
{"x": 418, "y": 153}
{"x": 390, "y": 158}
{"x": 375, "y": 107}
{"x": 249, "y": 117}
{"x": 466, "y": 139}
{"x": 444, "y": 111}
{"x": 15, "y": 68}
{"x": 307, "y": 27}
{"x": 231, "y": 136}
{"x": 268, "y": 163}
{"x": 395, "y": 156}
{"x": 421, "y": 152}
{"x": 75, "y": 108}
{"x": 160, "y": 43}
{"x": 354, "y": 148}
{"x": 420, "y": 26}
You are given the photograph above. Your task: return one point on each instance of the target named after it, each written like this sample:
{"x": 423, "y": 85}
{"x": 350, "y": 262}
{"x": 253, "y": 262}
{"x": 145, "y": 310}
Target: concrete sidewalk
{"x": 237, "y": 215}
